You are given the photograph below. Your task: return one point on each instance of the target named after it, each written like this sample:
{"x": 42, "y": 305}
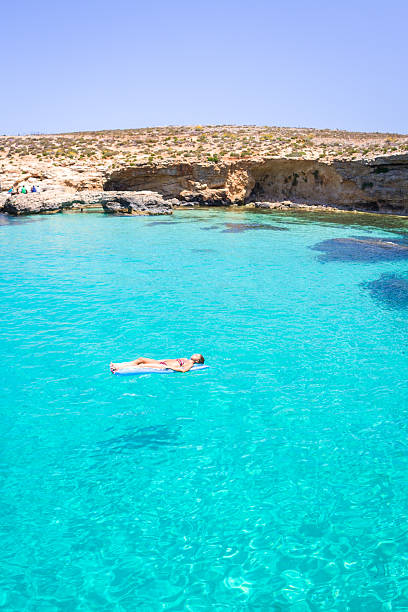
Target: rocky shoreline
{"x": 112, "y": 202}
{"x": 251, "y": 166}
{"x": 376, "y": 186}
{"x": 128, "y": 203}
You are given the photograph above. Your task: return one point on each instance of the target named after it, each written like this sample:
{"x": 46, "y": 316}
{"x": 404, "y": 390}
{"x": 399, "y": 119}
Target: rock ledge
{"x": 113, "y": 202}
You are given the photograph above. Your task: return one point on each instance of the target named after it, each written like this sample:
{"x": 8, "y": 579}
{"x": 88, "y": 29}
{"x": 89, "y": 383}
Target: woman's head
{"x": 197, "y": 358}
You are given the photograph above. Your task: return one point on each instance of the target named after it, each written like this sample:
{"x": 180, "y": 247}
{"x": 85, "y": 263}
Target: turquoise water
{"x": 275, "y": 480}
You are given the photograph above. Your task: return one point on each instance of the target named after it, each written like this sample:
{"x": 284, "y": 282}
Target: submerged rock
{"x": 153, "y": 437}
{"x": 277, "y": 205}
{"x": 170, "y": 221}
{"x": 390, "y": 289}
{"x": 118, "y": 202}
{"x": 288, "y": 205}
{"x": 362, "y": 248}
{"x": 203, "y": 250}
{"x": 11, "y": 220}
{"x": 236, "y": 228}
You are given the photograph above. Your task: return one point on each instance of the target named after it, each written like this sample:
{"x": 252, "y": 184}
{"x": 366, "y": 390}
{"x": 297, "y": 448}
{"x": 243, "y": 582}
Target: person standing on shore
{"x": 33, "y": 189}
{"x": 23, "y": 189}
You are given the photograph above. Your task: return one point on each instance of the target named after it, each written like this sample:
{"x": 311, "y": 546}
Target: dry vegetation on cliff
{"x": 80, "y": 160}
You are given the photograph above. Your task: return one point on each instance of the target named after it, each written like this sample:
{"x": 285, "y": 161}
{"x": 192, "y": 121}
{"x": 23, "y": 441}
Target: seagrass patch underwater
{"x": 274, "y": 480}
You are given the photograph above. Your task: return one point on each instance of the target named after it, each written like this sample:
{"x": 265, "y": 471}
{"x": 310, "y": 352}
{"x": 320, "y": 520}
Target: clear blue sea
{"x": 275, "y": 480}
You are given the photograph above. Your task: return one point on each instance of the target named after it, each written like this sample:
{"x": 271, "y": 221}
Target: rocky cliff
{"x": 213, "y": 165}
{"x": 380, "y": 184}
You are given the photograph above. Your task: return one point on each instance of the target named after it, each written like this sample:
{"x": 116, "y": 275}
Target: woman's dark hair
{"x": 198, "y": 358}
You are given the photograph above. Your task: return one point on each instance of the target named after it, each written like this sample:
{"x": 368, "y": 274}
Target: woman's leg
{"x": 146, "y": 362}
{"x": 140, "y": 361}
{"x": 143, "y": 361}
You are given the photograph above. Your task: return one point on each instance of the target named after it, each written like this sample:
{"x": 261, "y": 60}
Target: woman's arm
{"x": 187, "y": 366}
{"x": 184, "y": 368}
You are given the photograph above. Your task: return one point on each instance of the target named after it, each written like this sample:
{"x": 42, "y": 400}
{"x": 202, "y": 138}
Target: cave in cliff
{"x": 346, "y": 184}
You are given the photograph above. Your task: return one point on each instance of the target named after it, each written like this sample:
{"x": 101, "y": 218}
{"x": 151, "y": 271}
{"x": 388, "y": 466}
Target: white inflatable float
{"x": 133, "y": 370}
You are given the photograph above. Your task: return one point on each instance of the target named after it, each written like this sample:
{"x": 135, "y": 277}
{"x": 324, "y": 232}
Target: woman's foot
{"x": 114, "y": 367}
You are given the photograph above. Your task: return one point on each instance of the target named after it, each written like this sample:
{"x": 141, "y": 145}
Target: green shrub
{"x": 213, "y": 158}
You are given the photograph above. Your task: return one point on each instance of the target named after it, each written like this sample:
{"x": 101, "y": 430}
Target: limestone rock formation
{"x": 142, "y": 203}
{"x": 210, "y": 166}
{"x": 378, "y": 185}
{"x": 34, "y": 203}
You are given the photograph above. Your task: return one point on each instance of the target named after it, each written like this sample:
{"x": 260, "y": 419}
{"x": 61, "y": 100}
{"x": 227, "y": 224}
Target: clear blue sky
{"x": 86, "y": 65}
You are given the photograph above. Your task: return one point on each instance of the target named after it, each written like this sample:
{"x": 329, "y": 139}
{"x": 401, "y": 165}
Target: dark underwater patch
{"x": 390, "y": 289}
{"x": 153, "y": 437}
{"x": 9, "y": 220}
{"x": 238, "y": 228}
{"x": 362, "y": 248}
{"x": 169, "y": 222}
{"x": 193, "y": 220}
{"x": 204, "y": 250}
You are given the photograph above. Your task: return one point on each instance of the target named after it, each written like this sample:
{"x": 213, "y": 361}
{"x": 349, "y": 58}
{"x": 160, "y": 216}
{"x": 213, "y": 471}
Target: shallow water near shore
{"x": 275, "y": 480}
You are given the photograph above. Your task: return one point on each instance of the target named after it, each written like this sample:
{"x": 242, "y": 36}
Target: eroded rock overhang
{"x": 379, "y": 185}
